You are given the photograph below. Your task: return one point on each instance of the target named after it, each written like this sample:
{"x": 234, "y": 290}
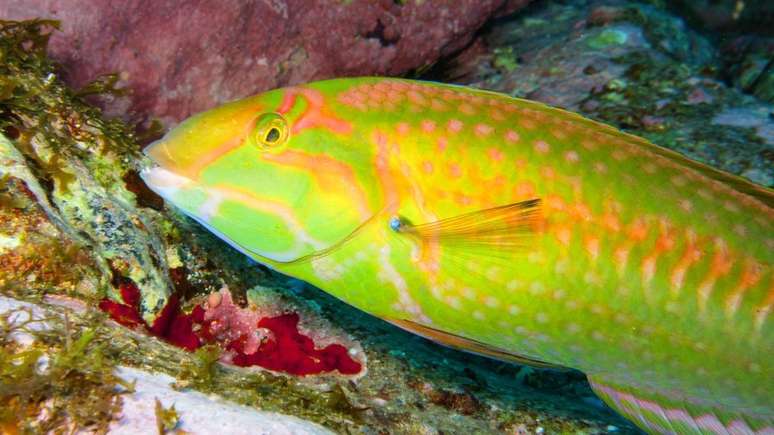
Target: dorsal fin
{"x": 467, "y": 344}
{"x": 761, "y": 193}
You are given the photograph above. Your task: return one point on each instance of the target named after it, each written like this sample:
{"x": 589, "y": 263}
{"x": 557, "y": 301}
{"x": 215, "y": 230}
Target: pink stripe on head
{"x": 288, "y": 101}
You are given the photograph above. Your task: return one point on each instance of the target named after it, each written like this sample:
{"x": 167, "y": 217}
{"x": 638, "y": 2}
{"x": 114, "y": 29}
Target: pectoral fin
{"x": 467, "y": 344}
{"x": 505, "y": 227}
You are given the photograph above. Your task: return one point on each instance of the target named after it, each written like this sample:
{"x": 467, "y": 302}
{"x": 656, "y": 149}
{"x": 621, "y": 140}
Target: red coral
{"x": 285, "y": 350}
{"x": 172, "y": 324}
{"x": 176, "y": 327}
{"x": 294, "y": 353}
{"x": 127, "y": 313}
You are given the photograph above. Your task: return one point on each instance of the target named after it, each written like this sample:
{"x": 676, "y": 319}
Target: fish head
{"x": 270, "y": 174}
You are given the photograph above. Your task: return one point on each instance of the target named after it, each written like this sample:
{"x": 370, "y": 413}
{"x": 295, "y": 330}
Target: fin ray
{"x": 505, "y": 227}
{"x": 674, "y": 415}
{"x": 467, "y": 344}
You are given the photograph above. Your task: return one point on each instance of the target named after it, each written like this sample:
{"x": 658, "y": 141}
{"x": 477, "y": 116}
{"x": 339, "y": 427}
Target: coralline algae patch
{"x": 247, "y": 337}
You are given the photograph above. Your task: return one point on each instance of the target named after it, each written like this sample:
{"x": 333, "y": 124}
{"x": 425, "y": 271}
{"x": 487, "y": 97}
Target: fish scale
{"x": 504, "y": 227}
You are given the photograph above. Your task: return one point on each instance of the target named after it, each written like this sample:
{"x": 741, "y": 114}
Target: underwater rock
{"x": 68, "y": 219}
{"x": 749, "y": 64}
{"x": 743, "y": 16}
{"x": 642, "y": 69}
{"x": 198, "y": 413}
{"x": 181, "y": 58}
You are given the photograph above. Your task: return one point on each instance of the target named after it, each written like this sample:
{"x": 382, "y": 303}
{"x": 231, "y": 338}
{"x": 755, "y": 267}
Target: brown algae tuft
{"x": 52, "y": 381}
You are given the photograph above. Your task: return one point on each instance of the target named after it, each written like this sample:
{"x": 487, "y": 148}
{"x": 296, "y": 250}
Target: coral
{"x": 249, "y": 339}
{"x": 291, "y": 352}
{"x": 228, "y": 323}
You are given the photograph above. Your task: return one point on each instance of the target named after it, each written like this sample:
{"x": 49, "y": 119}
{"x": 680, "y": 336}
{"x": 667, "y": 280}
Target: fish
{"x": 503, "y": 227}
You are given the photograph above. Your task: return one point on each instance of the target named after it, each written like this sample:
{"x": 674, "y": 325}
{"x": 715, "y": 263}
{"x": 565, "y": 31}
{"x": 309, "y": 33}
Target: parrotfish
{"x": 503, "y": 227}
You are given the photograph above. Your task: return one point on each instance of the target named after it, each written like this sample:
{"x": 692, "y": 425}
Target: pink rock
{"x": 181, "y": 57}
{"x": 228, "y": 322}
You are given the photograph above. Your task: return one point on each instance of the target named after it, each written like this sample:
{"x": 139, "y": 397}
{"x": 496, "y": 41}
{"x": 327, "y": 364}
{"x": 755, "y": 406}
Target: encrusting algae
{"x": 281, "y": 348}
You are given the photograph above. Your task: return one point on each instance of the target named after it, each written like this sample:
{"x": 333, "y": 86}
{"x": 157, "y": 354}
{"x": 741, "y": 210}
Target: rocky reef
{"x": 179, "y": 60}
{"x": 640, "y": 67}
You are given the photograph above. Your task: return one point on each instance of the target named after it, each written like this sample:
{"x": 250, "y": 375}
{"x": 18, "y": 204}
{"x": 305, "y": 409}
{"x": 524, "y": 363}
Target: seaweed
{"x": 57, "y": 383}
{"x": 167, "y": 419}
{"x": 69, "y": 163}
{"x": 200, "y": 371}
{"x": 33, "y": 101}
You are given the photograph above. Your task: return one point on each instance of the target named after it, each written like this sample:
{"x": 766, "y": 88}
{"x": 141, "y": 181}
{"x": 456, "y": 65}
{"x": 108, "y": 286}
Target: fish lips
{"x": 164, "y": 182}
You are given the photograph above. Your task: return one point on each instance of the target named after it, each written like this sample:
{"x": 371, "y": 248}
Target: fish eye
{"x": 272, "y": 135}
{"x": 270, "y": 131}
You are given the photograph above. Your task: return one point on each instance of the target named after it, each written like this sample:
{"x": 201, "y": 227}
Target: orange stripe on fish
{"x": 751, "y": 275}
{"x": 316, "y": 115}
{"x": 720, "y": 266}
{"x": 691, "y": 255}
{"x": 336, "y": 175}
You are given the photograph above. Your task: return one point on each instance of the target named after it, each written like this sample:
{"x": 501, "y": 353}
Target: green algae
{"x": 607, "y": 38}
{"x": 200, "y": 371}
{"x": 73, "y": 162}
{"x": 60, "y": 381}
{"x": 505, "y": 59}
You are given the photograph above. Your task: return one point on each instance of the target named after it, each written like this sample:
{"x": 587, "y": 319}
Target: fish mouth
{"x": 163, "y": 181}
{"x": 159, "y": 174}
